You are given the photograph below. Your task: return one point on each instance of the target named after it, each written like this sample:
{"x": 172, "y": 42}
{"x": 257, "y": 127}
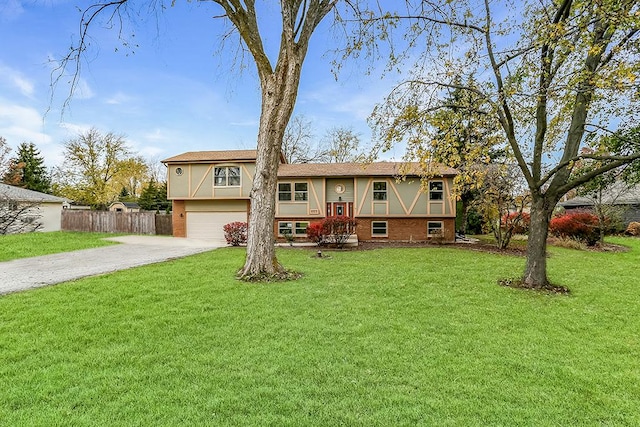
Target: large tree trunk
{"x": 279, "y": 92}
{"x": 535, "y": 273}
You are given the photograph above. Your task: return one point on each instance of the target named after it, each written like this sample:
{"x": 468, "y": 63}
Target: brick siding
{"x": 179, "y": 219}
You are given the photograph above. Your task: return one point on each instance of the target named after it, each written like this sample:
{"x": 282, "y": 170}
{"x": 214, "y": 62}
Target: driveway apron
{"x": 28, "y": 273}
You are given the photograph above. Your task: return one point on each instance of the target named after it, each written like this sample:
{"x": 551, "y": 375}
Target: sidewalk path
{"x": 27, "y": 273}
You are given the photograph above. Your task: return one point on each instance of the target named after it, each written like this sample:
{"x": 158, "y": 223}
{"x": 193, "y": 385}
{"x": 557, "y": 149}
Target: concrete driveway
{"x": 134, "y": 251}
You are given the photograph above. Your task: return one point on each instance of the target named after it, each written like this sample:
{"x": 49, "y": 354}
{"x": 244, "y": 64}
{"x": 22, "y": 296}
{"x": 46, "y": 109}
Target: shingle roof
{"x": 212, "y": 156}
{"x": 617, "y": 194}
{"x": 313, "y": 169}
{"x": 358, "y": 169}
{"x": 21, "y": 195}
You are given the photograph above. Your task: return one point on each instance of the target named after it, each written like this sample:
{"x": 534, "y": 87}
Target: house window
{"x": 380, "y": 190}
{"x": 301, "y": 191}
{"x": 298, "y": 191}
{"x": 226, "y": 176}
{"x": 436, "y": 190}
{"x": 301, "y": 228}
{"x": 284, "y": 191}
{"x": 294, "y": 228}
{"x": 285, "y": 228}
{"x": 378, "y": 228}
{"x": 435, "y": 228}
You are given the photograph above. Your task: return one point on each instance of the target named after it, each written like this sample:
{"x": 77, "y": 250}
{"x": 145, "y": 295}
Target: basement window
{"x": 379, "y": 228}
{"x": 435, "y": 228}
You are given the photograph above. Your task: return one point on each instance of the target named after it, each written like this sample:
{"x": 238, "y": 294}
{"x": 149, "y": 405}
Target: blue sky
{"x": 174, "y": 93}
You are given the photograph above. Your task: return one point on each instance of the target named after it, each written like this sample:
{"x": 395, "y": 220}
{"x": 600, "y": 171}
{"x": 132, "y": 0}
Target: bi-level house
{"x": 211, "y": 188}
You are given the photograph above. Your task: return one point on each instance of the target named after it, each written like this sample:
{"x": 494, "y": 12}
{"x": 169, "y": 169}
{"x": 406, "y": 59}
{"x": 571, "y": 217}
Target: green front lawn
{"x": 14, "y": 246}
{"x": 374, "y": 338}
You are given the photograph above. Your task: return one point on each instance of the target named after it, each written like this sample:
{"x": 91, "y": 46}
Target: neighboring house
{"x": 620, "y": 195}
{"x": 211, "y": 188}
{"x": 45, "y": 208}
{"x": 124, "y": 207}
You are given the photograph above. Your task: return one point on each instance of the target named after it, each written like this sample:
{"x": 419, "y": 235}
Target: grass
{"x": 26, "y": 245}
{"x": 396, "y": 337}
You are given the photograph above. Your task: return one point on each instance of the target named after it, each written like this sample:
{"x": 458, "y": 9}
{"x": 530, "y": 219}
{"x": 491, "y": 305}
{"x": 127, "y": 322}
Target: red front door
{"x": 340, "y": 209}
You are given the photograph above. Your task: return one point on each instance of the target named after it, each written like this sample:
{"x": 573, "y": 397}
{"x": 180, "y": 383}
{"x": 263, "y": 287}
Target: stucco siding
{"x": 347, "y": 195}
{"x": 196, "y": 182}
{"x": 50, "y": 218}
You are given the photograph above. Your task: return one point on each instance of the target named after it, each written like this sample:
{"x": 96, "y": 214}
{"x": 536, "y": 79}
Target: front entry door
{"x": 340, "y": 209}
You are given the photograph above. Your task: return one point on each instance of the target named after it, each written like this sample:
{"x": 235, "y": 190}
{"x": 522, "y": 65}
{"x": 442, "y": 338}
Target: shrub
{"x": 517, "y": 221}
{"x": 317, "y": 233}
{"x": 633, "y": 229}
{"x": 339, "y": 228}
{"x": 235, "y": 233}
{"x": 578, "y": 225}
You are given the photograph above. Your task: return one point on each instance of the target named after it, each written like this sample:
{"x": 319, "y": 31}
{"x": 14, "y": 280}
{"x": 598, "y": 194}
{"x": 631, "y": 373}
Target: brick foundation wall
{"x": 398, "y": 229}
{"x": 179, "y": 219}
{"x": 405, "y": 229}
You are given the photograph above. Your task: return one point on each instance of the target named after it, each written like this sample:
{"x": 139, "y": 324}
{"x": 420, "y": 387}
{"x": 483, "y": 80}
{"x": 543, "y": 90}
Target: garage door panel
{"x": 209, "y": 225}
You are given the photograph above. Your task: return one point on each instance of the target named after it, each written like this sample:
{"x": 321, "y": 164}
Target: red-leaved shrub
{"x": 579, "y": 225}
{"x": 317, "y": 233}
{"x": 517, "y": 221}
{"x": 235, "y": 233}
{"x": 333, "y": 229}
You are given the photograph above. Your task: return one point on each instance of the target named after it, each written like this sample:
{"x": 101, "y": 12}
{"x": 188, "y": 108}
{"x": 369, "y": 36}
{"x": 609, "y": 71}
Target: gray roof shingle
{"x": 22, "y": 195}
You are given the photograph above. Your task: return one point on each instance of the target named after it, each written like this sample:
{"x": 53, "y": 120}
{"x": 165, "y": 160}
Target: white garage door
{"x": 208, "y": 225}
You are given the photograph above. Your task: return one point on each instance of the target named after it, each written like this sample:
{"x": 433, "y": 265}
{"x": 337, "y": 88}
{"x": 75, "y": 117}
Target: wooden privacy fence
{"x": 116, "y": 222}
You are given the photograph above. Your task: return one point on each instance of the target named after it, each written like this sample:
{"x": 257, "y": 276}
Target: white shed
{"x": 46, "y": 209}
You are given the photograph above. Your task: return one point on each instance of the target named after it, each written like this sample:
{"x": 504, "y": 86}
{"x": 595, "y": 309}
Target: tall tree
{"x": 27, "y": 169}
{"x": 297, "y": 143}
{"x": 554, "y": 70}
{"x": 279, "y": 81}
{"x": 93, "y": 168}
{"x": 343, "y": 145}
{"x": 133, "y": 172}
{"x": 461, "y": 135}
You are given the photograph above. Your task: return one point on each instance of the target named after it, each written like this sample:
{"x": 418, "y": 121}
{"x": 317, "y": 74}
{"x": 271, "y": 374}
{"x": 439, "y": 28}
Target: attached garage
{"x": 206, "y": 219}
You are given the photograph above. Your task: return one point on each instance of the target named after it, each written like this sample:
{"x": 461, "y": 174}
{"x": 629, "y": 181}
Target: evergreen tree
{"x": 148, "y": 198}
{"x": 154, "y": 197}
{"x": 27, "y": 170}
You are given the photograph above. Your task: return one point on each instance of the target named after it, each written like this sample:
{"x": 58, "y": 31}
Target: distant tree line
{"x": 98, "y": 169}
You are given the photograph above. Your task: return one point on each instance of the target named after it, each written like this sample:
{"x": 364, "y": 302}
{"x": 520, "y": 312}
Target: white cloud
{"x": 15, "y": 79}
{"x": 10, "y": 9}
{"x": 119, "y": 98}
{"x": 157, "y": 135}
{"x": 74, "y": 129}
{"x": 83, "y": 90}
{"x": 18, "y": 124}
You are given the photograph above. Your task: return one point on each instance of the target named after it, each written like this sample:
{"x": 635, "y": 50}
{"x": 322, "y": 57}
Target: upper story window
{"x": 284, "y": 191}
{"x": 436, "y": 190}
{"x": 380, "y": 190}
{"x": 228, "y": 176}
{"x": 302, "y": 194}
{"x": 288, "y": 191}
